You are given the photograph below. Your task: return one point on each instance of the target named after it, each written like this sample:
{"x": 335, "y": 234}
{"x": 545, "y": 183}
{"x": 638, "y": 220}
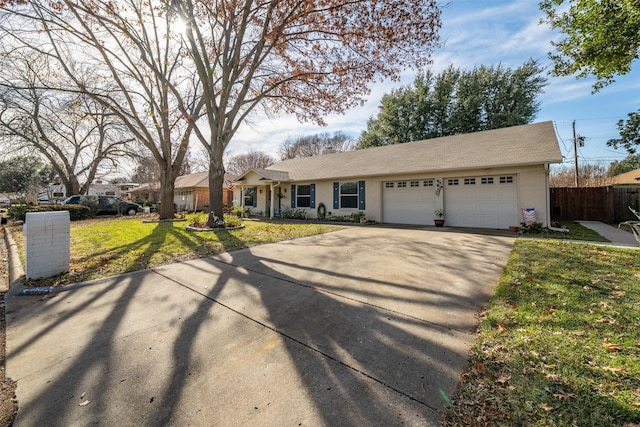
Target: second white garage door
{"x": 483, "y": 202}
{"x": 408, "y": 202}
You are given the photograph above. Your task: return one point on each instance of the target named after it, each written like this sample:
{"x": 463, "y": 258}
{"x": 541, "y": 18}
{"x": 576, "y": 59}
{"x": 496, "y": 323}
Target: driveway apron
{"x": 363, "y": 326}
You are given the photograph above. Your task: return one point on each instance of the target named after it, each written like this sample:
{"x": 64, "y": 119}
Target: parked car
{"x": 105, "y": 205}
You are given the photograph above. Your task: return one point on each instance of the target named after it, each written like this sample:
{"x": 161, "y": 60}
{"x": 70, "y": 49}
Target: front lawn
{"x": 576, "y": 232}
{"x": 108, "y": 246}
{"x": 560, "y": 343}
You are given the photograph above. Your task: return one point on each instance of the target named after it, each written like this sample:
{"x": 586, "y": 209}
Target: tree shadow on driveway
{"x": 300, "y": 332}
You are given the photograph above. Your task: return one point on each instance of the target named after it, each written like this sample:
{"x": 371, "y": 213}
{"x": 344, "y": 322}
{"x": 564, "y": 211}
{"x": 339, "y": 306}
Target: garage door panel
{"x": 410, "y": 205}
{"x": 492, "y": 205}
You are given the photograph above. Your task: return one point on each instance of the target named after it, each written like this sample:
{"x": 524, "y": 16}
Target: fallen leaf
{"x": 503, "y": 378}
{"x": 549, "y": 366}
{"x": 634, "y": 403}
{"x": 565, "y": 396}
{"x": 612, "y": 348}
{"x": 577, "y": 333}
{"x": 85, "y": 403}
{"x": 502, "y": 327}
{"x": 546, "y": 407}
{"x": 610, "y": 369}
{"x": 553, "y": 377}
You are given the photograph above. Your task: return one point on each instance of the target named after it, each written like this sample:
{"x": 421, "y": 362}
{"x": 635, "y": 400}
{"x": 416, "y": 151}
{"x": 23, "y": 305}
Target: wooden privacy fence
{"x": 606, "y": 204}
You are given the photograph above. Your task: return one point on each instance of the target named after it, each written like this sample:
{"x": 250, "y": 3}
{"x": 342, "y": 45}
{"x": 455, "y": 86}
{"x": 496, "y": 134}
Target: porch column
{"x": 272, "y": 202}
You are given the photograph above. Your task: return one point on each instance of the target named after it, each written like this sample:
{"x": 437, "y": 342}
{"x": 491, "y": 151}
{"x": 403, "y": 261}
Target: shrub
{"x": 76, "y": 212}
{"x": 536, "y": 227}
{"x": 294, "y": 214}
{"x": 197, "y": 219}
{"x": 232, "y": 221}
{"x": 358, "y": 217}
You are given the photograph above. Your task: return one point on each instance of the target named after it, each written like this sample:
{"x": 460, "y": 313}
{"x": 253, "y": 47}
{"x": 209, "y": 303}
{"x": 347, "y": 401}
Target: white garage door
{"x": 408, "y": 201}
{"x": 483, "y": 202}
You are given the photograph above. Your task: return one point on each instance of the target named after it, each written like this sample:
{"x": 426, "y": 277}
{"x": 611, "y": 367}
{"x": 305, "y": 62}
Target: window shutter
{"x": 255, "y": 197}
{"x": 293, "y": 197}
{"x": 336, "y": 195}
{"x": 313, "y": 196}
{"x": 361, "y": 195}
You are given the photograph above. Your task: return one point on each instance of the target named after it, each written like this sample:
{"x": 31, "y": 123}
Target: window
{"x": 250, "y": 196}
{"x": 488, "y": 180}
{"x": 428, "y": 183}
{"x": 414, "y": 183}
{"x": 303, "y": 196}
{"x": 402, "y": 184}
{"x": 388, "y": 184}
{"x": 469, "y": 181}
{"x": 453, "y": 182}
{"x": 506, "y": 179}
{"x": 58, "y": 194}
{"x": 349, "y": 195}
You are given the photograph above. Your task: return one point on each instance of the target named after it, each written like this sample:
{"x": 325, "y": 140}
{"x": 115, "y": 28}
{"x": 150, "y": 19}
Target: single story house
{"x": 626, "y": 179}
{"x": 483, "y": 179}
{"x": 191, "y": 191}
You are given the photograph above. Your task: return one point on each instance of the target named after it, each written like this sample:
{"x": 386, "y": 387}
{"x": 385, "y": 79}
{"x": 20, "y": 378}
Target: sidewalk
{"x": 618, "y": 237}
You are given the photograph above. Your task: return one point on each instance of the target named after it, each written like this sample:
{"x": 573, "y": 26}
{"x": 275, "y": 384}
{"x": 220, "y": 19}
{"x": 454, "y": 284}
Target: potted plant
{"x": 439, "y": 220}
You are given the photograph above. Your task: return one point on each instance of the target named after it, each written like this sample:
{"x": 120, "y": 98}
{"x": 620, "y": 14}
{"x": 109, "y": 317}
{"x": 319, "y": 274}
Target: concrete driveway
{"x": 364, "y": 326}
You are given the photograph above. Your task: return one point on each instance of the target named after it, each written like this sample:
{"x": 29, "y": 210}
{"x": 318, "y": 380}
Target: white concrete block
{"x": 47, "y": 243}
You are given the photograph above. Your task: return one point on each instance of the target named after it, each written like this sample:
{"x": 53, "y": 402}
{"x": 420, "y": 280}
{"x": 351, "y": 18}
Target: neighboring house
{"x": 146, "y": 193}
{"x": 625, "y": 179}
{"x": 482, "y": 179}
{"x": 192, "y": 191}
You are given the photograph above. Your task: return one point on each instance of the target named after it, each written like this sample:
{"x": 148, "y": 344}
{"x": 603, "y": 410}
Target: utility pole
{"x": 575, "y": 154}
{"x": 578, "y": 141}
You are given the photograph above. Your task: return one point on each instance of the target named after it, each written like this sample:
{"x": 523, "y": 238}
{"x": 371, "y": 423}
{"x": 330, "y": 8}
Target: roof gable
{"x": 197, "y": 180}
{"x": 518, "y": 145}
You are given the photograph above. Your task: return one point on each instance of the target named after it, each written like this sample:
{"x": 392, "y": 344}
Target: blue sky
{"x": 476, "y": 32}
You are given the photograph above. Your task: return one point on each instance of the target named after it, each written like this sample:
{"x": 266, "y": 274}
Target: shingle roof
{"x": 200, "y": 179}
{"x": 518, "y": 145}
{"x": 632, "y": 177}
{"x": 271, "y": 175}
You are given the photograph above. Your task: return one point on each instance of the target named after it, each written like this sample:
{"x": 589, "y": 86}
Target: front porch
{"x": 263, "y": 192}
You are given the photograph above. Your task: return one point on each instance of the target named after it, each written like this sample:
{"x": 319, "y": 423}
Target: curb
{"x": 16, "y": 272}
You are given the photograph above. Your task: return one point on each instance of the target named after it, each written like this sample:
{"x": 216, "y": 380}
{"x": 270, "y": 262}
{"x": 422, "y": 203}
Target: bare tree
{"x": 313, "y": 145}
{"x": 74, "y": 134}
{"x": 590, "y": 175}
{"x": 240, "y": 163}
{"x": 308, "y": 58}
{"x": 126, "y": 58}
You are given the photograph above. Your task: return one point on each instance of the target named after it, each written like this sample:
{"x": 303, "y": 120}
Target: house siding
{"x": 531, "y": 182}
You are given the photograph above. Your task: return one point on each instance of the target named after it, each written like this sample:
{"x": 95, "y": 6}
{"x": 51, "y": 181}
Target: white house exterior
{"x": 482, "y": 179}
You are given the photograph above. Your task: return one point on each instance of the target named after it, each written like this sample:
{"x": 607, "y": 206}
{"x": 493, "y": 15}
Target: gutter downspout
{"x": 546, "y": 178}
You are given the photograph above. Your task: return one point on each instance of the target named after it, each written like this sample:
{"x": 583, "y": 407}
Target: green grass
{"x": 560, "y": 343}
{"x": 576, "y": 232}
{"x": 107, "y": 246}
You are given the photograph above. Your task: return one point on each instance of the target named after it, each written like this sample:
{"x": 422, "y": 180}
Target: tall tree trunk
{"x": 167, "y": 187}
{"x": 216, "y": 180}
{"x": 71, "y": 185}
